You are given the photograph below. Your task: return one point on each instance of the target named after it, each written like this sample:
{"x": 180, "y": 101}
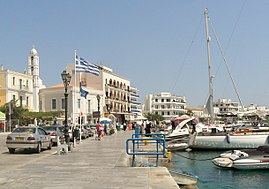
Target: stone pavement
{"x": 92, "y": 164}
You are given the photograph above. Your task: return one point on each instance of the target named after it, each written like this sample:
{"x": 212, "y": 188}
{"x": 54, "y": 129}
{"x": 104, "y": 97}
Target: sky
{"x": 159, "y": 45}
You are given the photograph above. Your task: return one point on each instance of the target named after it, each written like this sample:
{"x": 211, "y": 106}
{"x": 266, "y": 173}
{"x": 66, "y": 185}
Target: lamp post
{"x": 98, "y": 107}
{"x": 66, "y": 77}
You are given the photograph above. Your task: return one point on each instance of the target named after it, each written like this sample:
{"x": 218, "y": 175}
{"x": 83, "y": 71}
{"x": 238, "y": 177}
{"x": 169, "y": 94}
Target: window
{"x": 20, "y": 83}
{"x": 14, "y": 97}
{"x": 53, "y": 104}
{"x": 13, "y": 81}
{"x": 40, "y": 105}
{"x": 27, "y": 101}
{"x": 156, "y": 100}
{"x": 162, "y": 100}
{"x": 63, "y": 104}
{"x": 78, "y": 103}
{"x": 162, "y": 106}
{"x": 27, "y": 83}
{"x": 168, "y": 100}
{"x": 156, "y": 107}
{"x": 89, "y": 106}
{"x": 20, "y": 101}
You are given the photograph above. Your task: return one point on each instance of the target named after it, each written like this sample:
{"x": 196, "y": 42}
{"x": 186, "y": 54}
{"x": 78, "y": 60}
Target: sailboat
{"x": 224, "y": 140}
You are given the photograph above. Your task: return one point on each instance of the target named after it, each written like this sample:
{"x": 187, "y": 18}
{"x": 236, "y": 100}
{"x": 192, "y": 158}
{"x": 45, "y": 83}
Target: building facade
{"x": 22, "y": 87}
{"x": 227, "y": 106}
{"x": 136, "y": 108}
{"x": 113, "y": 92}
{"x": 165, "y": 104}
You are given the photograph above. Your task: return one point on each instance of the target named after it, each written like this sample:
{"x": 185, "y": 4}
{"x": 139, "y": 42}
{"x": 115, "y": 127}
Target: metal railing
{"x": 139, "y": 140}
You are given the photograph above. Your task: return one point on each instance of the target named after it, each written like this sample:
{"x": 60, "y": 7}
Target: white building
{"x": 165, "y": 104}
{"x": 22, "y": 87}
{"x": 113, "y": 90}
{"x": 136, "y": 107}
{"x": 227, "y": 106}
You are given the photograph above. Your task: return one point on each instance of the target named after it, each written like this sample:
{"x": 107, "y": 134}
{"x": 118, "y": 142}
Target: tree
{"x": 189, "y": 113}
{"x": 24, "y": 116}
{"x": 154, "y": 117}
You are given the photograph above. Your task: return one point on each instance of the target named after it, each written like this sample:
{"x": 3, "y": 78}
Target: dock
{"x": 92, "y": 164}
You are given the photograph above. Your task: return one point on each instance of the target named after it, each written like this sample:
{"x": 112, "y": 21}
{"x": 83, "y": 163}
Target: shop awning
{"x": 2, "y": 116}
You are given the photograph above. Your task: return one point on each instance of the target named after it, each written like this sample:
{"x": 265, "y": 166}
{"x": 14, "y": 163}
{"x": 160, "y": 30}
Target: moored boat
{"x": 177, "y": 146}
{"x": 244, "y": 159}
{"x": 229, "y": 141}
{"x": 183, "y": 178}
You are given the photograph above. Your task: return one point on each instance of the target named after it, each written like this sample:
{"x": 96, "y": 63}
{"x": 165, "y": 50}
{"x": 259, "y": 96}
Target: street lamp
{"x": 66, "y": 77}
{"x": 98, "y": 107}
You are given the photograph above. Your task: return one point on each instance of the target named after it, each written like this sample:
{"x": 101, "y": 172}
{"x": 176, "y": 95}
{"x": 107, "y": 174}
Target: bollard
{"x": 147, "y": 142}
{"x": 169, "y": 156}
{"x": 136, "y": 132}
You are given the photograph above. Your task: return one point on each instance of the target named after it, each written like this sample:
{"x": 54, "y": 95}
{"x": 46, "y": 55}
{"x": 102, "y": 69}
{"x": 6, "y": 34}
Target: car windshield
{"x": 50, "y": 128}
{"x": 24, "y": 130}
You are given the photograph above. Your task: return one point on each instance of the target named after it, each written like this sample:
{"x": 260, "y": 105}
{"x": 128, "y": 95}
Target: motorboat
{"x": 181, "y": 128}
{"x": 176, "y": 146}
{"x": 183, "y": 178}
{"x": 244, "y": 159}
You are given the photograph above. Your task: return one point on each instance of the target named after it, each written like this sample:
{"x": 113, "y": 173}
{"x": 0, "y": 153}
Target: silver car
{"x": 54, "y": 132}
{"x": 28, "y": 138}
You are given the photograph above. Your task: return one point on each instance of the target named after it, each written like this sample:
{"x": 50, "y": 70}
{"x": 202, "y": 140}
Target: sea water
{"x": 212, "y": 177}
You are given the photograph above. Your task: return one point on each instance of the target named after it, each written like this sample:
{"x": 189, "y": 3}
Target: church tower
{"x": 33, "y": 70}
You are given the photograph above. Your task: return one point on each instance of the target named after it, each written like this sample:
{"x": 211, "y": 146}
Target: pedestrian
{"x": 99, "y": 130}
{"x": 124, "y": 126}
{"x": 105, "y": 129}
{"x": 147, "y": 129}
{"x": 130, "y": 126}
{"x": 141, "y": 128}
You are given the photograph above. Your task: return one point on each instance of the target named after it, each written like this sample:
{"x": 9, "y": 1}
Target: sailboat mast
{"x": 209, "y": 105}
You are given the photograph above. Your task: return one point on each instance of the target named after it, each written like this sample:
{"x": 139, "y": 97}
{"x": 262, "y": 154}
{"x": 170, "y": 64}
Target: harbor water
{"x": 212, "y": 177}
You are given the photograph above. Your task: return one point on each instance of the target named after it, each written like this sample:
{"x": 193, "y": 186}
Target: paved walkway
{"x": 92, "y": 164}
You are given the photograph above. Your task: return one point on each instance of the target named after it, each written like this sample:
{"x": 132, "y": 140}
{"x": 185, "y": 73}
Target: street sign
{"x": 96, "y": 114}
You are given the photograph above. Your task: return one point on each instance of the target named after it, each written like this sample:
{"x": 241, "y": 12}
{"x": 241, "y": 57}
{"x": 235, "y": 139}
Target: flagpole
{"x": 74, "y": 98}
{"x": 80, "y": 140}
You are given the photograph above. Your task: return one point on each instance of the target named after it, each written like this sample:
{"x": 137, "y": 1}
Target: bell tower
{"x": 33, "y": 70}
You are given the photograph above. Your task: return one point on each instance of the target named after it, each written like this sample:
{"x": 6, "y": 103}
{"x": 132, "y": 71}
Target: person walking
{"x": 147, "y": 129}
{"x": 99, "y": 130}
{"x": 105, "y": 129}
{"x": 141, "y": 128}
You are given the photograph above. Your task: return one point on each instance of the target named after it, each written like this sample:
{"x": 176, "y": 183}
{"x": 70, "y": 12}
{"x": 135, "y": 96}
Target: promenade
{"x": 92, "y": 164}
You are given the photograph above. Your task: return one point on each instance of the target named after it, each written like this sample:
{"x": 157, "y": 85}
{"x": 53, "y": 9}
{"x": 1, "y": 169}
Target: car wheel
{"x": 50, "y": 145}
{"x": 11, "y": 150}
{"x": 38, "y": 149}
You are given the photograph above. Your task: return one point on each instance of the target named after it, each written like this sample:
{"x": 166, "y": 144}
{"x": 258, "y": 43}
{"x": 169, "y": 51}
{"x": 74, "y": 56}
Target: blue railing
{"x": 138, "y": 140}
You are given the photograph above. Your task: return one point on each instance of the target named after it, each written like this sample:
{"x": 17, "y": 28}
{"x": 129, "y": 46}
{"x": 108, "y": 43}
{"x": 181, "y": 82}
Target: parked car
{"x": 70, "y": 132}
{"x": 84, "y": 132}
{"x": 54, "y": 131}
{"x": 91, "y": 130}
{"x": 28, "y": 138}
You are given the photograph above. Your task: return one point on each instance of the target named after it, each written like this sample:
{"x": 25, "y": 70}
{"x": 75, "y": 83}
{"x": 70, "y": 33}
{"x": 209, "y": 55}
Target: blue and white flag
{"x": 84, "y": 66}
{"x": 83, "y": 93}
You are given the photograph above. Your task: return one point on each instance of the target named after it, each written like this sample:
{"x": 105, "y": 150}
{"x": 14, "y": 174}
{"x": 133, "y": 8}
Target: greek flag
{"x": 83, "y": 93}
{"x": 84, "y": 66}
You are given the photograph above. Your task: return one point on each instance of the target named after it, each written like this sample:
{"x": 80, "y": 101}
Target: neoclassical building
{"x": 22, "y": 86}
{"x": 113, "y": 92}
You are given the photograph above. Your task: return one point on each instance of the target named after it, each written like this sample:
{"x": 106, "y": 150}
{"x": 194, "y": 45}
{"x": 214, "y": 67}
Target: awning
{"x": 2, "y": 116}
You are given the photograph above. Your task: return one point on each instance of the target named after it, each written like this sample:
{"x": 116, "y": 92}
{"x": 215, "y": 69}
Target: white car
{"x": 28, "y": 138}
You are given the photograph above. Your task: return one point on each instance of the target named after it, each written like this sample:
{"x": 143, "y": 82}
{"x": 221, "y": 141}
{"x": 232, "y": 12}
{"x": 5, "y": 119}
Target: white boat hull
{"x": 246, "y": 159}
{"x": 250, "y": 164}
{"x": 176, "y": 146}
{"x": 229, "y": 142}
{"x": 184, "y": 178}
